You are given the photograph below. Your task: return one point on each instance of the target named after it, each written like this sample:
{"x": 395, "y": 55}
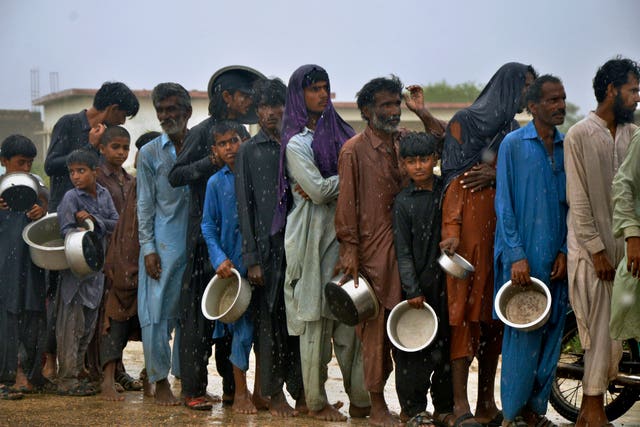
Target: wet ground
{"x": 53, "y": 410}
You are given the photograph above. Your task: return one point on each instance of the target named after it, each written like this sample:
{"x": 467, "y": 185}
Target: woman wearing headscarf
{"x": 471, "y": 144}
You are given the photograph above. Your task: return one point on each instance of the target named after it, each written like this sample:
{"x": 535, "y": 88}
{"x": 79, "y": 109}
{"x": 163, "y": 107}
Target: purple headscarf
{"x": 329, "y": 135}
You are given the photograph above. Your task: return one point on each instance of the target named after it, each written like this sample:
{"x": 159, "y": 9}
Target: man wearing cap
{"x": 230, "y": 91}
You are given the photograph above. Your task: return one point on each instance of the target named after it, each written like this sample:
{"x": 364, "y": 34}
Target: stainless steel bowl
{"x": 19, "y": 190}
{"x": 455, "y": 265}
{"x": 509, "y": 290}
{"x": 411, "y": 329}
{"x": 349, "y": 304}
{"x": 46, "y": 245}
{"x": 84, "y": 252}
{"x": 226, "y": 299}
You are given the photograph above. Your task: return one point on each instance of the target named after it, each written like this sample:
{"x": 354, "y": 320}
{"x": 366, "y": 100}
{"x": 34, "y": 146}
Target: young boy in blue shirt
{"x": 79, "y": 299}
{"x": 221, "y": 232}
{"x": 416, "y": 227}
{"x": 22, "y": 283}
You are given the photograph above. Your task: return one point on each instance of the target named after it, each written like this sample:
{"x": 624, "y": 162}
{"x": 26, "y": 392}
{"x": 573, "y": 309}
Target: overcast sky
{"x": 145, "y": 42}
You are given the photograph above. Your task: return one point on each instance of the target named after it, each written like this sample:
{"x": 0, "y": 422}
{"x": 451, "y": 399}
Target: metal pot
{"x": 226, "y": 299}
{"x": 411, "y": 329}
{"x": 46, "y": 246}
{"x": 455, "y": 265}
{"x": 508, "y": 291}
{"x": 84, "y": 252}
{"x": 19, "y": 190}
{"x": 349, "y": 304}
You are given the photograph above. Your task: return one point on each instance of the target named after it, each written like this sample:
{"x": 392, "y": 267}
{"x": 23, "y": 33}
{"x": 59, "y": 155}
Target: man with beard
{"x": 595, "y": 147}
{"x": 256, "y": 192}
{"x": 531, "y": 232}
{"x": 163, "y": 213}
{"x": 370, "y": 178}
{"x": 230, "y": 91}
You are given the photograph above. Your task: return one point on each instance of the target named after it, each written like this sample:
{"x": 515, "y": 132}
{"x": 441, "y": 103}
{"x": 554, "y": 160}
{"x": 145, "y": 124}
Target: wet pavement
{"x": 51, "y": 410}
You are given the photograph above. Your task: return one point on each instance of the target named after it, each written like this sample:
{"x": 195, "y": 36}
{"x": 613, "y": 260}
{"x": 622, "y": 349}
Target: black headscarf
{"x": 486, "y": 122}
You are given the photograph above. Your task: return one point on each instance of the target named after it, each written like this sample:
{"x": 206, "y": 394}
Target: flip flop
{"x": 460, "y": 421}
{"x": 128, "y": 382}
{"x": 545, "y": 422}
{"x": 495, "y": 421}
{"x": 7, "y": 394}
{"x": 420, "y": 420}
{"x": 441, "y": 419}
{"x": 198, "y": 403}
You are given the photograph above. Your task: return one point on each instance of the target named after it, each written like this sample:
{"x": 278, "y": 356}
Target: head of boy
{"x": 379, "y": 102}
{"x": 114, "y": 145}
{"x": 17, "y": 153}
{"x": 82, "y": 166}
{"x": 173, "y": 107}
{"x": 269, "y": 96}
{"x": 317, "y": 91}
{"x": 227, "y": 136}
{"x": 117, "y": 102}
{"x": 418, "y": 151}
{"x": 231, "y": 94}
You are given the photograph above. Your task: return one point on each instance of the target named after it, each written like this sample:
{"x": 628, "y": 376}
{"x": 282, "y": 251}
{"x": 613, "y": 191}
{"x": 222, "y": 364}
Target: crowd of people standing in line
{"x": 307, "y": 198}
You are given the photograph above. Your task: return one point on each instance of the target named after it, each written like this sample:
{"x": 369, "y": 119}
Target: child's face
{"x": 82, "y": 176}
{"x": 420, "y": 168}
{"x": 116, "y": 151}
{"x": 17, "y": 163}
{"x": 226, "y": 146}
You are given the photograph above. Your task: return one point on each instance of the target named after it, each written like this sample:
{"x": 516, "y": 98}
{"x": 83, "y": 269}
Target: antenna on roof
{"x": 35, "y": 87}
{"x": 53, "y": 81}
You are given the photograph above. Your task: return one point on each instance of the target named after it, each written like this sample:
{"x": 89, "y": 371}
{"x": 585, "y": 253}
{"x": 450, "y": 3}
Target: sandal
{"x": 82, "y": 389}
{"x": 441, "y": 420}
{"x": 198, "y": 403}
{"x": 422, "y": 419}
{"x": 7, "y": 394}
{"x": 460, "y": 421}
{"x": 128, "y": 382}
{"x": 517, "y": 422}
{"x": 495, "y": 421}
{"x": 544, "y": 422}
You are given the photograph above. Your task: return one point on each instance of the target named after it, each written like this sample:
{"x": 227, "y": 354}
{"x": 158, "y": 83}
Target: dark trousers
{"x": 52, "y": 304}
{"x": 21, "y": 339}
{"x": 421, "y": 372}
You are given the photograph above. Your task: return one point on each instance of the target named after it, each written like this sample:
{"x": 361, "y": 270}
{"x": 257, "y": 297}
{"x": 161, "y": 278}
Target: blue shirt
{"x": 220, "y": 227}
{"x": 531, "y": 206}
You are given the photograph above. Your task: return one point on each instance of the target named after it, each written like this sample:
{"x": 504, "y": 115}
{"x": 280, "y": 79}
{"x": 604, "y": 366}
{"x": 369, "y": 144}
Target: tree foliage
{"x": 444, "y": 92}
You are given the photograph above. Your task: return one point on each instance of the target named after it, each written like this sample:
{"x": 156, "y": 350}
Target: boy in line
{"x": 22, "y": 284}
{"x": 416, "y": 227}
{"x": 221, "y": 231}
{"x": 79, "y": 299}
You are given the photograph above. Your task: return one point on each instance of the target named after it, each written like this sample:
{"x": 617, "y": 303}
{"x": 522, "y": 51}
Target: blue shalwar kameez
{"x": 531, "y": 213}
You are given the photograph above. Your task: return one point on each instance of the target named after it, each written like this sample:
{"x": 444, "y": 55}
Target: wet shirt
{"x": 220, "y": 227}
{"x": 117, "y": 187}
{"x": 88, "y": 290}
{"x": 370, "y": 179}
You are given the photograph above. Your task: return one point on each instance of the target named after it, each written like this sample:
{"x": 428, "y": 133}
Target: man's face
{"x": 384, "y": 115}
{"x": 420, "y": 169}
{"x": 172, "y": 116}
{"x": 551, "y": 109}
{"x": 626, "y": 100}
{"x": 238, "y": 104}
{"x": 528, "y": 80}
{"x": 270, "y": 117}
{"x": 225, "y": 146}
{"x": 116, "y": 151}
{"x": 316, "y": 97}
{"x": 82, "y": 176}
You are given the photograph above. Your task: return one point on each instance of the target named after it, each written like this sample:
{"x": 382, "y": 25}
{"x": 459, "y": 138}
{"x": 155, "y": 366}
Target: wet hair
{"x": 366, "y": 97}
{"x": 17, "y": 145}
{"x": 314, "y": 76}
{"x": 146, "y": 138}
{"x": 111, "y": 93}
{"x": 614, "y": 71}
{"x": 534, "y": 93}
{"x": 271, "y": 92}
{"x": 220, "y": 128}
{"x": 414, "y": 144}
{"x": 113, "y": 132}
{"x": 83, "y": 156}
{"x": 165, "y": 90}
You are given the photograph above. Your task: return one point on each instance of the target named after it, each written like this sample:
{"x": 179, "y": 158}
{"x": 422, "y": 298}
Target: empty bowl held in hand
{"x": 411, "y": 329}
{"x": 349, "y": 304}
{"x": 455, "y": 265}
{"x": 226, "y": 299}
{"x": 19, "y": 190}
{"x": 524, "y": 307}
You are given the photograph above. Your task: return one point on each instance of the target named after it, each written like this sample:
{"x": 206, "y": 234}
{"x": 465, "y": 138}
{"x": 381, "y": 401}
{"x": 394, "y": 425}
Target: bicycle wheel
{"x": 566, "y": 391}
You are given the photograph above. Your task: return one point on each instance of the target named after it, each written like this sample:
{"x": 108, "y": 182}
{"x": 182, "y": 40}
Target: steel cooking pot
{"x": 349, "y": 304}
{"x": 524, "y": 307}
{"x": 226, "y": 299}
{"x": 410, "y": 329}
{"x": 19, "y": 190}
{"x": 46, "y": 245}
{"x": 83, "y": 250}
{"x": 455, "y": 265}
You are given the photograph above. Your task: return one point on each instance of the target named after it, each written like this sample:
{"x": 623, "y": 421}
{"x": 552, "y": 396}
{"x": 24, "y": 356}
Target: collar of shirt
{"x": 530, "y": 132}
{"x": 305, "y": 131}
{"x": 375, "y": 140}
{"x": 226, "y": 170}
{"x": 109, "y": 171}
{"x": 262, "y": 136}
{"x": 82, "y": 193}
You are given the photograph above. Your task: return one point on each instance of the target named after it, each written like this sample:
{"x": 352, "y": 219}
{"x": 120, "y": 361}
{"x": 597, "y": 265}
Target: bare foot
{"x": 164, "y": 395}
{"x": 213, "y": 398}
{"x": 279, "y": 407}
{"x": 384, "y": 419}
{"x": 110, "y": 393}
{"x": 22, "y": 383}
{"x": 242, "y": 404}
{"x": 301, "y": 406}
{"x": 49, "y": 369}
{"x": 328, "y": 413}
{"x": 147, "y": 387}
{"x": 358, "y": 412}
{"x": 259, "y": 401}
{"x": 227, "y": 399}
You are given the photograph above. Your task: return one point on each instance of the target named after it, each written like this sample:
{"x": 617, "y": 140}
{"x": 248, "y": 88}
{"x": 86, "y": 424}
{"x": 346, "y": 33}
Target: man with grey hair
{"x": 163, "y": 213}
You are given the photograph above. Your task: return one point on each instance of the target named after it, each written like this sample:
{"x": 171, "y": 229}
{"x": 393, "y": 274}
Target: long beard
{"x": 621, "y": 114}
{"x": 383, "y": 125}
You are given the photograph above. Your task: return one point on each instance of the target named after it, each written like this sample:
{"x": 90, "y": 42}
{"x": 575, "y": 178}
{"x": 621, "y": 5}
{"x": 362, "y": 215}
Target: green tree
{"x": 444, "y": 92}
{"x": 572, "y": 117}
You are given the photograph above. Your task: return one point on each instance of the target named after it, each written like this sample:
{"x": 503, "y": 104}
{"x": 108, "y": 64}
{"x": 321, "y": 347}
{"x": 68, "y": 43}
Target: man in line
{"x": 230, "y": 91}
{"x": 256, "y": 192}
{"x": 370, "y": 178}
{"x": 595, "y": 147}
{"x": 163, "y": 213}
{"x": 530, "y": 241}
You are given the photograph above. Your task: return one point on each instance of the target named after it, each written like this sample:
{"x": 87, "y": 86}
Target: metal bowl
{"x": 46, "y": 245}
{"x": 455, "y": 265}
{"x": 84, "y": 252}
{"x": 411, "y": 329}
{"x": 226, "y": 299}
{"x": 349, "y": 304}
{"x": 19, "y": 190}
{"x": 513, "y": 301}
